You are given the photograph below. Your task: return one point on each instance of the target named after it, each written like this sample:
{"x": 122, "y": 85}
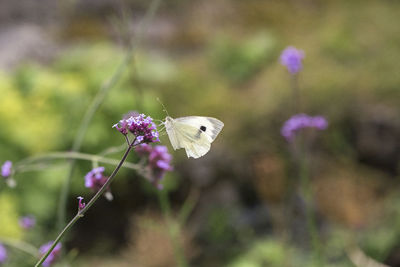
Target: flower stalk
{"x": 82, "y": 211}
{"x": 307, "y": 194}
{"x": 28, "y": 164}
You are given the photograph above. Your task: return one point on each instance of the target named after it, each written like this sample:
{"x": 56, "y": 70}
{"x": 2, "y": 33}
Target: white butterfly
{"x": 194, "y": 133}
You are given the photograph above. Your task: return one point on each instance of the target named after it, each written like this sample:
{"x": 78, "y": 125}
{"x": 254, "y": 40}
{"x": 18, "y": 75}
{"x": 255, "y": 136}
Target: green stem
{"x": 308, "y": 199}
{"x": 296, "y": 93}
{"x": 99, "y": 98}
{"x": 25, "y": 166}
{"x": 188, "y": 206}
{"x": 173, "y": 229}
{"x": 82, "y": 212}
{"x": 20, "y": 245}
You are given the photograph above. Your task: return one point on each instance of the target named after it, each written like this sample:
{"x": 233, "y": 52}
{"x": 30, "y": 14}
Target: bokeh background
{"x": 238, "y": 205}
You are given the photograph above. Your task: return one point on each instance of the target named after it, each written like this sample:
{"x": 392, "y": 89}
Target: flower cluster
{"x": 27, "y": 222}
{"x": 6, "y": 169}
{"x": 300, "y": 121}
{"x": 291, "y": 58}
{"x": 95, "y": 178}
{"x": 3, "y": 254}
{"x": 142, "y": 127}
{"x": 53, "y": 255}
{"x": 158, "y": 162}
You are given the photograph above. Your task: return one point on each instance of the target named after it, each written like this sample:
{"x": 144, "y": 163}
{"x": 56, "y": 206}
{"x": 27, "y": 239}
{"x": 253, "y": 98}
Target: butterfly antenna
{"x": 164, "y": 109}
{"x": 162, "y": 130}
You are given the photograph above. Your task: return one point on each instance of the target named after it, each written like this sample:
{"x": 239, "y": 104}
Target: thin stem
{"x": 62, "y": 233}
{"x": 112, "y": 150}
{"x": 25, "y": 165}
{"x": 108, "y": 182}
{"x": 82, "y": 212}
{"x": 188, "y": 206}
{"x": 173, "y": 229}
{"x": 94, "y": 106}
{"x": 21, "y": 245}
{"x": 308, "y": 199}
{"x": 296, "y": 93}
{"x": 99, "y": 98}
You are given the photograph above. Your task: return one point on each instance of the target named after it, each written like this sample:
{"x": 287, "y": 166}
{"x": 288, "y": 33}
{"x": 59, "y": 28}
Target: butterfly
{"x": 193, "y": 133}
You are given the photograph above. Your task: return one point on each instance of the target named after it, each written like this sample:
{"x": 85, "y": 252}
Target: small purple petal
{"x": 292, "y": 58}
{"x": 81, "y": 204}
{"x": 95, "y": 179}
{"x": 300, "y": 121}
{"x": 53, "y": 255}
{"x": 6, "y": 169}
{"x": 158, "y": 162}
{"x": 27, "y": 222}
{"x": 3, "y": 254}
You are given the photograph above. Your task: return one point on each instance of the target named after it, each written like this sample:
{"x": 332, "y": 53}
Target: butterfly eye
{"x": 203, "y": 128}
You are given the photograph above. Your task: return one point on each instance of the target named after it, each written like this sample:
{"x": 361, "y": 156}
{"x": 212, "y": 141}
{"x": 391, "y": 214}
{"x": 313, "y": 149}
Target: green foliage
{"x": 380, "y": 238}
{"x": 268, "y": 252}
{"x": 219, "y": 228}
{"x": 241, "y": 60}
{"x": 9, "y": 226}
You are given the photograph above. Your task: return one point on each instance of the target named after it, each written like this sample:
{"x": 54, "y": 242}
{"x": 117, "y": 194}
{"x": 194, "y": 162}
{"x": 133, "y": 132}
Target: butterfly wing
{"x": 210, "y": 126}
{"x": 196, "y": 144}
{"x": 172, "y": 134}
{"x": 194, "y": 134}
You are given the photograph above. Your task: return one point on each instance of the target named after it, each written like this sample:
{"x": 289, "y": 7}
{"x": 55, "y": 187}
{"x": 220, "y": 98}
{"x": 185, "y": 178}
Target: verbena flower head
{"x": 6, "y": 169}
{"x": 3, "y": 254}
{"x": 27, "y": 222}
{"x": 158, "y": 162}
{"x": 142, "y": 127}
{"x": 300, "y": 121}
{"x": 95, "y": 178}
{"x": 53, "y": 255}
{"x": 292, "y": 58}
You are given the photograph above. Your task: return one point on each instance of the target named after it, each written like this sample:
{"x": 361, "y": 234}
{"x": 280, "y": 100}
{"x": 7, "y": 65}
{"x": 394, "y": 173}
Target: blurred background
{"x": 239, "y": 205}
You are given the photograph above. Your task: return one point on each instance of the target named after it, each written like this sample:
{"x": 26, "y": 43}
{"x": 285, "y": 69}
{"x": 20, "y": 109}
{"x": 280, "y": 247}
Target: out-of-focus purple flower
{"x": 81, "y": 203}
{"x": 27, "y": 222}
{"x": 53, "y": 255}
{"x": 6, "y": 169}
{"x": 95, "y": 178}
{"x": 3, "y": 254}
{"x": 292, "y": 58}
{"x": 300, "y": 121}
{"x": 143, "y": 149}
{"x": 158, "y": 162}
{"x": 142, "y": 127}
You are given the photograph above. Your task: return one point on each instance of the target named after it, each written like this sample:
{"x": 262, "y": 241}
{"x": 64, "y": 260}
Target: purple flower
{"x": 53, "y": 255}
{"x": 291, "y": 58}
{"x": 81, "y": 203}
{"x": 144, "y": 149}
{"x": 158, "y": 162}
{"x": 95, "y": 178}
{"x": 300, "y": 121}
{"x": 142, "y": 127}
{"x": 3, "y": 254}
{"x": 27, "y": 222}
{"x": 6, "y": 169}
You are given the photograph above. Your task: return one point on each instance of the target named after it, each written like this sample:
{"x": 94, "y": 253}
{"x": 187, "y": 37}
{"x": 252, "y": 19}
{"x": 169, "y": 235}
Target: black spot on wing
{"x": 203, "y": 128}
